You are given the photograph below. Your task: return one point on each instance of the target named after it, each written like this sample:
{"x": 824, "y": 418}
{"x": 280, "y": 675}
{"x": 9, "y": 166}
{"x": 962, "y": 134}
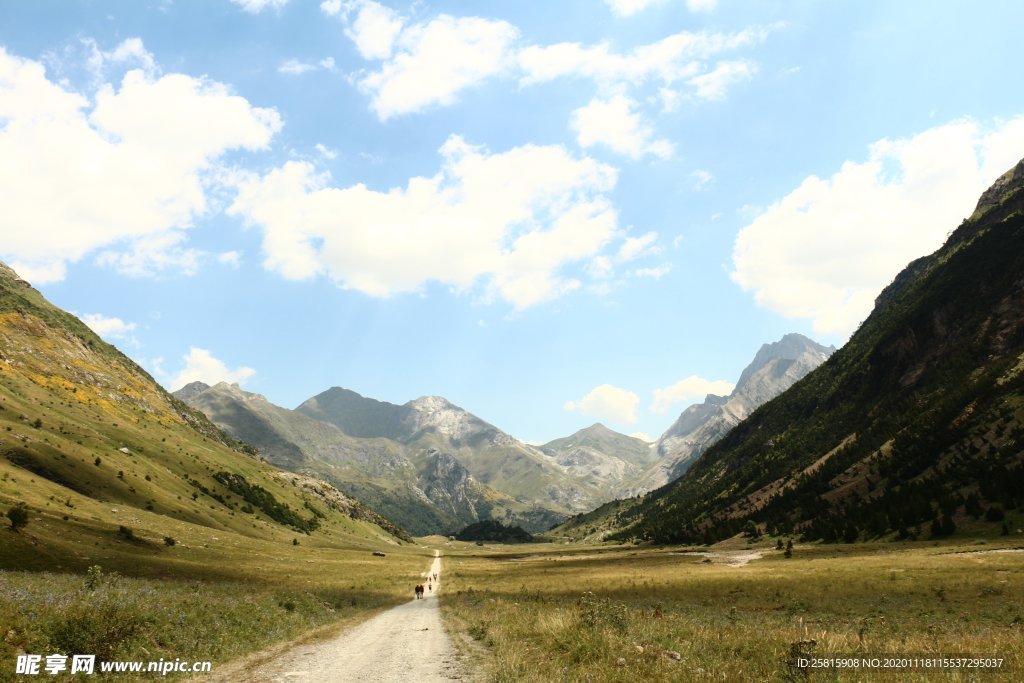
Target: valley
{"x": 860, "y": 502}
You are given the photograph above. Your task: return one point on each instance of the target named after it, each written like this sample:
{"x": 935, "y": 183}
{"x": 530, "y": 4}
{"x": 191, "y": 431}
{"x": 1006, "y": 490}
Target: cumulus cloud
{"x": 607, "y": 402}
{"x": 513, "y": 220}
{"x": 257, "y": 6}
{"x": 614, "y": 123}
{"x": 429, "y": 63}
{"x": 825, "y": 250}
{"x": 374, "y": 29}
{"x": 688, "y": 390}
{"x": 128, "y": 170}
{"x": 108, "y": 328}
{"x": 201, "y": 366}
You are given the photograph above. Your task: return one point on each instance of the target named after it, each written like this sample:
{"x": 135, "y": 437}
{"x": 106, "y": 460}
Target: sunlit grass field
{"x": 562, "y": 613}
{"x": 212, "y": 596}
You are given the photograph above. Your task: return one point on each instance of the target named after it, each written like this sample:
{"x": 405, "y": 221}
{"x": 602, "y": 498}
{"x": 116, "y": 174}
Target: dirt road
{"x": 406, "y": 643}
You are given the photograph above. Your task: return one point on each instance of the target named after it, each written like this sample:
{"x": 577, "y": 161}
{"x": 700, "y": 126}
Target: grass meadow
{"x": 551, "y": 613}
{"x": 213, "y": 596}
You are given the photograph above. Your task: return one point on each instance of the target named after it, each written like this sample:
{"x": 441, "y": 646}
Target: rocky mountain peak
{"x": 792, "y": 346}
{"x": 191, "y": 390}
{"x": 994, "y": 195}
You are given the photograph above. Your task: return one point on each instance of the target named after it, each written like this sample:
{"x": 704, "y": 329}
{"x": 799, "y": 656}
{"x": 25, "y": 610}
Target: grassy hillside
{"x": 913, "y": 428}
{"x": 114, "y": 473}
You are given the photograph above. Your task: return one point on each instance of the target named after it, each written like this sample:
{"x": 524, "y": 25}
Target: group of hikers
{"x": 430, "y": 587}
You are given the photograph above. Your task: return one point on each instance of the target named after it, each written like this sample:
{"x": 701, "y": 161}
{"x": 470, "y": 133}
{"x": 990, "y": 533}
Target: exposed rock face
{"x": 775, "y": 368}
{"x": 494, "y": 458}
{"x": 450, "y": 486}
{"x": 191, "y": 390}
{"x": 438, "y": 414}
{"x": 603, "y": 455}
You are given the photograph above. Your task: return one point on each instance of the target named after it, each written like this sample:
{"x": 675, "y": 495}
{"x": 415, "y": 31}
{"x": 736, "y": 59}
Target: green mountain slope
{"x": 915, "y": 425}
{"x": 91, "y": 443}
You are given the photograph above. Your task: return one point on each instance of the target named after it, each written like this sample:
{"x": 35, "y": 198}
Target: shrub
{"x": 100, "y": 628}
{"x": 168, "y": 541}
{"x": 18, "y": 514}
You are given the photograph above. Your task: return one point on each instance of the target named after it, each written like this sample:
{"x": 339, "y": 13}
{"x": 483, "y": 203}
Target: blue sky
{"x": 549, "y": 213}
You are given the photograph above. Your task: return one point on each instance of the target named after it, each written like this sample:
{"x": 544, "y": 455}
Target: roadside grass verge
{"x": 632, "y": 614}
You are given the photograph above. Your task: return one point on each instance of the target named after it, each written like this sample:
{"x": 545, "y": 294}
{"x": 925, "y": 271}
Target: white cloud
{"x": 108, "y": 328}
{"x": 130, "y": 51}
{"x": 643, "y": 436}
{"x": 374, "y": 30}
{"x": 434, "y": 61}
{"x": 153, "y": 254}
{"x": 713, "y": 84}
{"x": 132, "y": 167}
{"x": 701, "y": 178}
{"x": 655, "y": 273}
{"x": 513, "y": 220}
{"x": 325, "y": 151}
{"x": 230, "y": 258}
{"x": 825, "y": 250}
{"x": 702, "y": 5}
{"x": 613, "y": 123}
{"x": 688, "y": 390}
{"x": 607, "y": 402}
{"x": 257, "y": 6}
{"x": 201, "y": 366}
{"x": 677, "y": 57}
{"x": 627, "y": 8}
{"x": 294, "y": 67}
{"x": 634, "y": 247}
{"x": 331, "y": 7}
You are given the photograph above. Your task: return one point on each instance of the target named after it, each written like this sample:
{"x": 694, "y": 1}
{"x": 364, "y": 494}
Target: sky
{"x": 551, "y": 214}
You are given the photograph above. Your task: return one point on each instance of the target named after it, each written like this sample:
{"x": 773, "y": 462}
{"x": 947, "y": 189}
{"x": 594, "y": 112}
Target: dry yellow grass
{"x": 631, "y": 614}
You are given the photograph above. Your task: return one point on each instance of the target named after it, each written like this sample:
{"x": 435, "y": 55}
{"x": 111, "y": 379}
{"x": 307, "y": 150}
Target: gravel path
{"x": 406, "y": 643}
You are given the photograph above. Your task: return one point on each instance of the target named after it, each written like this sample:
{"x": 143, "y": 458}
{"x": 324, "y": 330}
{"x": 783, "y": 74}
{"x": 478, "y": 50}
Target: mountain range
{"x": 433, "y": 467}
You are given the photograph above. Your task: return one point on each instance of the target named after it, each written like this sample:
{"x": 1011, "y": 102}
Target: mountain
{"x": 605, "y": 456}
{"x": 424, "y": 489}
{"x": 91, "y": 443}
{"x": 493, "y": 457}
{"x": 914, "y": 427}
{"x": 775, "y": 368}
